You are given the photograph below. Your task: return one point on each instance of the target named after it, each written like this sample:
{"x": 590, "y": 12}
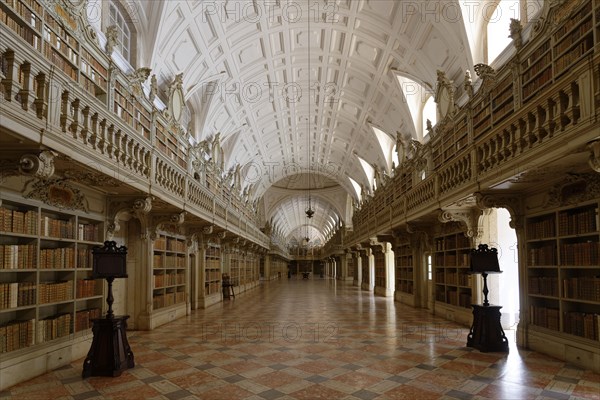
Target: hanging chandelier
{"x": 306, "y": 238}
{"x": 309, "y": 210}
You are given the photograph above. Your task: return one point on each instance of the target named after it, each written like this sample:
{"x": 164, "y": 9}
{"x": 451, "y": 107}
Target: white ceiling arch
{"x": 290, "y": 111}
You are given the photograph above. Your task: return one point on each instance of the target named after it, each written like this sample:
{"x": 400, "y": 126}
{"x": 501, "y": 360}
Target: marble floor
{"x": 316, "y": 339}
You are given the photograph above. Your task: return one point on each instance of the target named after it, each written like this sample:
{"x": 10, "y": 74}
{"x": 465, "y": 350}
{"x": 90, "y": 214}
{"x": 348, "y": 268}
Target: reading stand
{"x": 110, "y": 353}
{"x": 486, "y": 334}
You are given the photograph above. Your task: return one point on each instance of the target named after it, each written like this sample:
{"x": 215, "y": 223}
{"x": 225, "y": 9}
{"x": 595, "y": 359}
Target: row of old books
{"x": 86, "y": 288}
{"x": 17, "y": 335}
{"x": 21, "y": 28}
{"x": 583, "y": 221}
{"x": 402, "y": 261}
{"x": 212, "y": 287}
{"x": 60, "y": 258}
{"x": 58, "y": 228}
{"x": 213, "y": 275}
{"x": 404, "y": 273}
{"x": 88, "y": 232}
{"x": 167, "y": 299}
{"x": 543, "y": 285}
{"x": 160, "y": 243}
{"x": 84, "y": 258}
{"x": 179, "y": 297}
{"x": 544, "y": 47}
{"x": 405, "y": 286}
{"x": 20, "y": 6}
{"x": 18, "y": 221}
{"x": 542, "y": 256}
{"x": 53, "y": 292}
{"x": 18, "y": 256}
{"x": 56, "y": 58}
{"x": 582, "y": 288}
{"x": 83, "y": 318}
{"x": 173, "y": 261}
{"x": 53, "y": 327}
{"x": 162, "y": 280}
{"x": 17, "y": 294}
{"x": 583, "y": 254}
{"x": 570, "y": 57}
{"x": 540, "y": 229}
{"x": 175, "y": 245}
{"x": 573, "y": 21}
{"x": 461, "y": 299}
{"x": 544, "y": 317}
{"x": 582, "y": 324}
{"x": 213, "y": 251}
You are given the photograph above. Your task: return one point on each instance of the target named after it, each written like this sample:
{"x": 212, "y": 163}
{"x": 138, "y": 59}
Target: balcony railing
{"x": 100, "y": 123}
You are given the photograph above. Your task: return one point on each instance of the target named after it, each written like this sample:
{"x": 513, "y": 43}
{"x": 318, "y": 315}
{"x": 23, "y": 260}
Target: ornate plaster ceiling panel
{"x": 265, "y": 93}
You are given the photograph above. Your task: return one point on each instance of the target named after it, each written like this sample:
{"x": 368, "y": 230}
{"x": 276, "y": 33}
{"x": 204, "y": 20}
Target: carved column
{"x": 344, "y": 261}
{"x": 11, "y": 81}
{"x": 199, "y": 277}
{"x": 368, "y": 281}
{"x": 267, "y": 267}
{"x": 358, "y": 263}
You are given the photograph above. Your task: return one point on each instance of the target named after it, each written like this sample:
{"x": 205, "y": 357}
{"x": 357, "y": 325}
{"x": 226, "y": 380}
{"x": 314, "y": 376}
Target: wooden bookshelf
{"x": 351, "y": 265}
{"x": 123, "y": 103}
{"x": 573, "y": 39}
{"x": 46, "y": 290}
{"x": 60, "y": 47}
{"x": 536, "y": 70}
{"x": 94, "y": 74}
{"x": 481, "y": 116}
{"x": 461, "y": 134}
{"x": 404, "y": 269}
{"x": 25, "y": 19}
{"x": 169, "y": 271}
{"x": 170, "y": 145}
{"x": 236, "y": 273}
{"x": 502, "y": 98}
{"x": 563, "y": 255}
{"x": 437, "y": 152}
{"x": 452, "y": 282}
{"x": 380, "y": 274}
{"x": 252, "y": 271}
{"x": 212, "y": 270}
{"x": 365, "y": 269}
{"x": 245, "y": 275}
{"x": 142, "y": 119}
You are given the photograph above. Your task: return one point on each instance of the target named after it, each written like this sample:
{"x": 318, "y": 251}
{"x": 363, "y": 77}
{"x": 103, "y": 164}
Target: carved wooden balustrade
{"x": 560, "y": 114}
{"x": 48, "y": 107}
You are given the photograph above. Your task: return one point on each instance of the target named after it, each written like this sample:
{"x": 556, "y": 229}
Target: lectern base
{"x": 486, "y": 333}
{"x": 110, "y": 353}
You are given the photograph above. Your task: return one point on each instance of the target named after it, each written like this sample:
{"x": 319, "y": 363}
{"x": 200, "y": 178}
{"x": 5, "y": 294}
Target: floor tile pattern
{"x": 316, "y": 339}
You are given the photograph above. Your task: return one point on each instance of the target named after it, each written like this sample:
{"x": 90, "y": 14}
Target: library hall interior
{"x": 300, "y": 199}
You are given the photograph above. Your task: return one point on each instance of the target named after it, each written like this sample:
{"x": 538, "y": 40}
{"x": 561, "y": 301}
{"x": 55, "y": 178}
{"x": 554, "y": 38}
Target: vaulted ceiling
{"x": 295, "y": 92}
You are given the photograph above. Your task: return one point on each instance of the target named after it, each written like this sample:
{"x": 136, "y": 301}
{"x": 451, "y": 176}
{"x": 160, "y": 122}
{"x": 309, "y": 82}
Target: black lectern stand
{"x": 486, "y": 334}
{"x": 110, "y": 353}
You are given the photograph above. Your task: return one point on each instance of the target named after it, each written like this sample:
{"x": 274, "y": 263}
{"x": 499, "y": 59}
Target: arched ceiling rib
{"x": 262, "y": 49}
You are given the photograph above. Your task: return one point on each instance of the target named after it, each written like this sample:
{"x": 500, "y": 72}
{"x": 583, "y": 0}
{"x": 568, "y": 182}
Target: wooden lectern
{"x": 486, "y": 334}
{"x": 110, "y": 353}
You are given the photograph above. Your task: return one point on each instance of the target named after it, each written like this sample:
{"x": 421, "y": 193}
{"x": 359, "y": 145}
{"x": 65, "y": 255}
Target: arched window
{"x": 420, "y": 103}
{"x": 487, "y": 24}
{"x": 497, "y": 27}
{"x": 429, "y": 113}
{"x": 117, "y": 15}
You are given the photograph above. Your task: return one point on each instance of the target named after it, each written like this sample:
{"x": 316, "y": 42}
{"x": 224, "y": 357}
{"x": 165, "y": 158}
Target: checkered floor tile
{"x": 316, "y": 339}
